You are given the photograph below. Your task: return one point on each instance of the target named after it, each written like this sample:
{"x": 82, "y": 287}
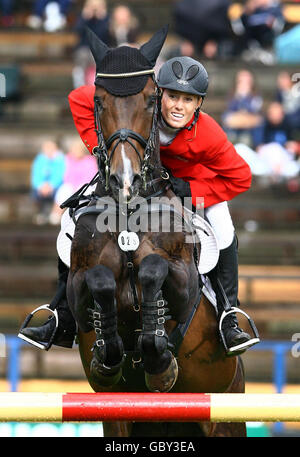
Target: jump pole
{"x": 152, "y": 407}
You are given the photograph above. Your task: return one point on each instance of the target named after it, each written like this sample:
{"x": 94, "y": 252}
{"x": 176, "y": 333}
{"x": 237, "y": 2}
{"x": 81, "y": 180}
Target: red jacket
{"x": 202, "y": 156}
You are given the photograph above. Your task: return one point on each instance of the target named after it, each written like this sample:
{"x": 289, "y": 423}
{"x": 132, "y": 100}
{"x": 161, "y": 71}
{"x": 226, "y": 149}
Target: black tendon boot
{"x": 60, "y": 328}
{"x": 225, "y": 282}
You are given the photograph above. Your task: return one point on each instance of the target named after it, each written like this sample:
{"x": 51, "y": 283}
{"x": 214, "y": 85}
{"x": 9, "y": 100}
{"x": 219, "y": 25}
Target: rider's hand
{"x": 180, "y": 187}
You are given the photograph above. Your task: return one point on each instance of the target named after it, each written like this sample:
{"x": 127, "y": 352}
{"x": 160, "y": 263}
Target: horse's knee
{"x": 153, "y": 340}
{"x": 152, "y": 271}
{"x": 101, "y": 282}
{"x": 108, "y": 351}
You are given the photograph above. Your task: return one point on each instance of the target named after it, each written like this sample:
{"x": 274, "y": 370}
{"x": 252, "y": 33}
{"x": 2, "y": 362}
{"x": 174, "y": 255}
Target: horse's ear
{"x": 152, "y": 48}
{"x": 98, "y": 48}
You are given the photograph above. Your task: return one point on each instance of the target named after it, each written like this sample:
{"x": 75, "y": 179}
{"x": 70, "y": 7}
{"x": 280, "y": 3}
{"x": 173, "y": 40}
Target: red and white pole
{"x": 144, "y": 407}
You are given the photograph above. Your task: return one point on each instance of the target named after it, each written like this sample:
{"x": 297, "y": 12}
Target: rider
{"x": 202, "y": 162}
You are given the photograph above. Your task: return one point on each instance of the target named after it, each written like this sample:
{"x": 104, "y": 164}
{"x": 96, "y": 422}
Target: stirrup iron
{"x": 249, "y": 343}
{"x": 48, "y": 345}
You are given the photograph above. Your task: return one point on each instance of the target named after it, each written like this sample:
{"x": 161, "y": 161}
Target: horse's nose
{"x": 132, "y": 189}
{"x": 136, "y": 183}
{"x": 115, "y": 182}
{"x": 128, "y": 186}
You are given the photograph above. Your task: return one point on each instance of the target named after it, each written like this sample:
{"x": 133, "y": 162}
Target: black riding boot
{"x": 224, "y": 279}
{"x": 65, "y": 332}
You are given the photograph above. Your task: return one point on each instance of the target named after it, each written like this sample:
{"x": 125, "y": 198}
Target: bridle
{"x": 125, "y": 136}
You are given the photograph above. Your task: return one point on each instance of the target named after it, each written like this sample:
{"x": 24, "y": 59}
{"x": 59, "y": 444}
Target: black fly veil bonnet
{"x": 125, "y": 70}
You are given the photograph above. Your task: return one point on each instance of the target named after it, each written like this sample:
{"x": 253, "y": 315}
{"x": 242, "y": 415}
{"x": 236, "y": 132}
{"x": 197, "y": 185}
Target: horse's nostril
{"x": 137, "y": 181}
{"x": 129, "y": 188}
{"x": 115, "y": 182}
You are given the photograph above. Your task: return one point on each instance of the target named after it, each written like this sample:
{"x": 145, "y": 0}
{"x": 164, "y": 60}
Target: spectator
{"x": 277, "y": 149}
{"x": 243, "y": 119}
{"x": 80, "y": 168}
{"x": 276, "y": 156}
{"x": 6, "y": 7}
{"x": 205, "y": 24}
{"x": 183, "y": 48}
{"x": 124, "y": 27}
{"x": 51, "y": 14}
{"x": 288, "y": 94}
{"x": 93, "y": 15}
{"x": 280, "y": 161}
{"x": 46, "y": 177}
{"x": 259, "y": 24}
{"x": 275, "y": 128}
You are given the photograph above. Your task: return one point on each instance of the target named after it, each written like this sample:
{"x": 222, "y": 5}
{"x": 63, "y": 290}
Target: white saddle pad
{"x": 209, "y": 254}
{"x": 63, "y": 242}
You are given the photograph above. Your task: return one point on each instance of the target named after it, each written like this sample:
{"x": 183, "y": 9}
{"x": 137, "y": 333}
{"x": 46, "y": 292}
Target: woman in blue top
{"x": 47, "y": 174}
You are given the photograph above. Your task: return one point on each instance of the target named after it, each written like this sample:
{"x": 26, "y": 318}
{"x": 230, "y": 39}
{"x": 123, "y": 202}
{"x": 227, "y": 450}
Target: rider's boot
{"x": 225, "y": 282}
{"x": 65, "y": 332}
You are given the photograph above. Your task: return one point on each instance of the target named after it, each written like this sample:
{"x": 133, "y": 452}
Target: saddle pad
{"x": 67, "y": 229}
{"x": 209, "y": 254}
{"x": 64, "y": 242}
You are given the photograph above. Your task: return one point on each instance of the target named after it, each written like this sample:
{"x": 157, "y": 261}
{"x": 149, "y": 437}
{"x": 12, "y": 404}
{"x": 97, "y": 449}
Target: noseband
{"x": 125, "y": 136}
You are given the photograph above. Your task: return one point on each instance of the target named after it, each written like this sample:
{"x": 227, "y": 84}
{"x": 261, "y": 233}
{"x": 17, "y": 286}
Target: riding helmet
{"x": 183, "y": 74}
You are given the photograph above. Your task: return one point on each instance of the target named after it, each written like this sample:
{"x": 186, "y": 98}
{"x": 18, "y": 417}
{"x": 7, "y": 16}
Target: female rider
{"x": 202, "y": 163}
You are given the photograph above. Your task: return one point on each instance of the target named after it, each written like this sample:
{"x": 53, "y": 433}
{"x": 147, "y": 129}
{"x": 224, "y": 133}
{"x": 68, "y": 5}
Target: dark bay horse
{"x": 143, "y": 323}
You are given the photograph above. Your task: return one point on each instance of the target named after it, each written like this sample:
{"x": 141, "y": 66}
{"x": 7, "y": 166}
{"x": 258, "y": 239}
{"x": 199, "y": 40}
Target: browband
{"x": 125, "y": 75}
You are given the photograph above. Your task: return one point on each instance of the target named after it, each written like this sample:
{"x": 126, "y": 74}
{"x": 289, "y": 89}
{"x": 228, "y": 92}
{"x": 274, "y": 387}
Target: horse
{"x": 144, "y": 323}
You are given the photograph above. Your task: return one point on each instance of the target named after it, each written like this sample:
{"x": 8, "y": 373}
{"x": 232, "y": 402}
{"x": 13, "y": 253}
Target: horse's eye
{"x": 151, "y": 100}
{"x": 99, "y": 103}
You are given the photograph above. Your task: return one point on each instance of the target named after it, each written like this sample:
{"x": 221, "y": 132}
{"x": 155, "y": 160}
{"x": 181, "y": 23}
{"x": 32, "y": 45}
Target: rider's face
{"x": 178, "y": 107}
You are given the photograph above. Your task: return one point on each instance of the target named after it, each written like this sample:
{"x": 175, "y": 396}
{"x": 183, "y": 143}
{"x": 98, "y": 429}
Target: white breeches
{"x": 219, "y": 217}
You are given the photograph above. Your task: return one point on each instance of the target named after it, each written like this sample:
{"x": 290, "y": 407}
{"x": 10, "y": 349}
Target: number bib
{"x": 128, "y": 241}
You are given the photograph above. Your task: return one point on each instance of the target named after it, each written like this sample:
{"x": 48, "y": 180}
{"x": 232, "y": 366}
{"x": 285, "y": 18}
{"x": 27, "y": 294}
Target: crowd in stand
{"x": 114, "y": 29}
{"x": 52, "y": 16}
{"x": 267, "y": 136}
{"x": 56, "y": 174}
{"x": 256, "y": 32}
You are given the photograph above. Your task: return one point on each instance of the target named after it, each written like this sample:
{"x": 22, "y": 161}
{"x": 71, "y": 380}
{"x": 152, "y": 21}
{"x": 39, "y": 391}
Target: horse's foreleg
{"x": 160, "y": 366}
{"x": 108, "y": 352}
{"x": 117, "y": 429}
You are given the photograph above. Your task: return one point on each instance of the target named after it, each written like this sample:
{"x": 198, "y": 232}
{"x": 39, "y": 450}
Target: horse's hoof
{"x": 105, "y": 376}
{"x": 163, "y": 382}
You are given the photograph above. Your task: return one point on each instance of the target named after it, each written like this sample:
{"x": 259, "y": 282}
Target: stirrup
{"x": 241, "y": 346}
{"x": 39, "y": 345}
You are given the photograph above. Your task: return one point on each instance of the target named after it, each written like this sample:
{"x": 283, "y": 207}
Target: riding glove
{"x": 180, "y": 187}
